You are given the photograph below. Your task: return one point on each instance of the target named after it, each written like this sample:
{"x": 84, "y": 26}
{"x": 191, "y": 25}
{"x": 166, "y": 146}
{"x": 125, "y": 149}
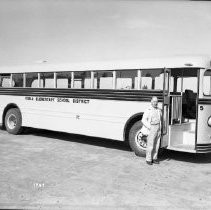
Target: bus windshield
{"x": 207, "y": 83}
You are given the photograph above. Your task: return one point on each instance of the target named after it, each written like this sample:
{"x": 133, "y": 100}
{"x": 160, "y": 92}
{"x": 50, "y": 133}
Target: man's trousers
{"x": 153, "y": 143}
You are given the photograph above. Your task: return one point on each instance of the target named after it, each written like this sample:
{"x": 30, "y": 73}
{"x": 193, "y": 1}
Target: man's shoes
{"x": 156, "y": 161}
{"x": 149, "y": 162}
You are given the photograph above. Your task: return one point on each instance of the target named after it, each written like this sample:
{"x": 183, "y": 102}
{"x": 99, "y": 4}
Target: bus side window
{"x": 82, "y": 80}
{"x": 32, "y": 80}
{"x": 5, "y": 80}
{"x": 152, "y": 79}
{"x": 103, "y": 80}
{"x": 17, "y": 80}
{"x": 126, "y": 79}
{"x": 63, "y": 79}
{"x": 47, "y": 80}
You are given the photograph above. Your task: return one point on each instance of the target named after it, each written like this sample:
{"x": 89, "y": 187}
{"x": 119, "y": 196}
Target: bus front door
{"x": 183, "y": 103}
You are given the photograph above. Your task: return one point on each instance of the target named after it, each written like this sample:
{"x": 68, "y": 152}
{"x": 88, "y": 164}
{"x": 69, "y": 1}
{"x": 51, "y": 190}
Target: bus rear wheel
{"x": 137, "y": 141}
{"x": 13, "y": 121}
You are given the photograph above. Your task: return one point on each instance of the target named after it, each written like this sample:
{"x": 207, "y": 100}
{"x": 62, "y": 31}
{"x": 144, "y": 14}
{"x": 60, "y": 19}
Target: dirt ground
{"x": 49, "y": 170}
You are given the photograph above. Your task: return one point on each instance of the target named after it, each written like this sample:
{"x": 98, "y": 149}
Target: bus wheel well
{"x": 129, "y": 125}
{"x": 8, "y": 107}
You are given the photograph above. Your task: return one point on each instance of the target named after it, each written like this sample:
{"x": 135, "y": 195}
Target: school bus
{"x": 108, "y": 99}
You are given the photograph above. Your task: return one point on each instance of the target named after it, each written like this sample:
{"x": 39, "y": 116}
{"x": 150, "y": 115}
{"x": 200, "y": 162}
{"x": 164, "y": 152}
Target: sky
{"x": 60, "y": 31}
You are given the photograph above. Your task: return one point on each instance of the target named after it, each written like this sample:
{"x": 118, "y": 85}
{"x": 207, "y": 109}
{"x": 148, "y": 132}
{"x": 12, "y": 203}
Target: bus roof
{"x": 147, "y": 63}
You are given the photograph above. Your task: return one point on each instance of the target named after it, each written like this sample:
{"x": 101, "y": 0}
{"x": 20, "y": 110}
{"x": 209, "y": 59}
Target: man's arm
{"x": 160, "y": 122}
{"x": 145, "y": 119}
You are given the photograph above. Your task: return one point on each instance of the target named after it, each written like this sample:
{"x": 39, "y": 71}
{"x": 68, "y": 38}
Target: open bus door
{"x": 165, "y": 109}
{"x": 182, "y": 109}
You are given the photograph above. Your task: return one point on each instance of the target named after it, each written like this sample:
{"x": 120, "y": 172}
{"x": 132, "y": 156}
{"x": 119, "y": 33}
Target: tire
{"x": 13, "y": 121}
{"x": 137, "y": 141}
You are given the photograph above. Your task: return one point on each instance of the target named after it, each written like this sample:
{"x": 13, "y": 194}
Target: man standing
{"x": 152, "y": 122}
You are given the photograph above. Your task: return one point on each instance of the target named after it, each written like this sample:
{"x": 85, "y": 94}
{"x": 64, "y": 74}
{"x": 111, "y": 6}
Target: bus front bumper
{"x": 203, "y": 148}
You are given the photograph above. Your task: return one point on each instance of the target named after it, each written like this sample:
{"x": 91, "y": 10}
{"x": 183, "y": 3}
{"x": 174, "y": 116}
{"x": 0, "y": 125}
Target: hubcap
{"x": 12, "y": 121}
{"x": 141, "y": 140}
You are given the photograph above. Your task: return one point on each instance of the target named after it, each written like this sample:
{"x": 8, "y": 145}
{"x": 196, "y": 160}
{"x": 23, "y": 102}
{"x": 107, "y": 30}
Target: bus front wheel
{"x": 13, "y": 121}
{"x": 137, "y": 141}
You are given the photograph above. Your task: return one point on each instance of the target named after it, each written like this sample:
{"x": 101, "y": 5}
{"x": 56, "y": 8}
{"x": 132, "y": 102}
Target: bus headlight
{"x": 209, "y": 121}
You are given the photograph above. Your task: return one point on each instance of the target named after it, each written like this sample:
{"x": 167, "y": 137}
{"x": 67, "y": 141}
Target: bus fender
{"x": 134, "y": 118}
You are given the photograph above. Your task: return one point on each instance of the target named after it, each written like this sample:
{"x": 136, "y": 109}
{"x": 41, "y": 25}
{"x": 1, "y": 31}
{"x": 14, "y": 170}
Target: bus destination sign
{"x": 58, "y": 99}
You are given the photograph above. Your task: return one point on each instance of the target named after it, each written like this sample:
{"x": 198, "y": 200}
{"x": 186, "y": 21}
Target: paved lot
{"x": 50, "y": 170}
